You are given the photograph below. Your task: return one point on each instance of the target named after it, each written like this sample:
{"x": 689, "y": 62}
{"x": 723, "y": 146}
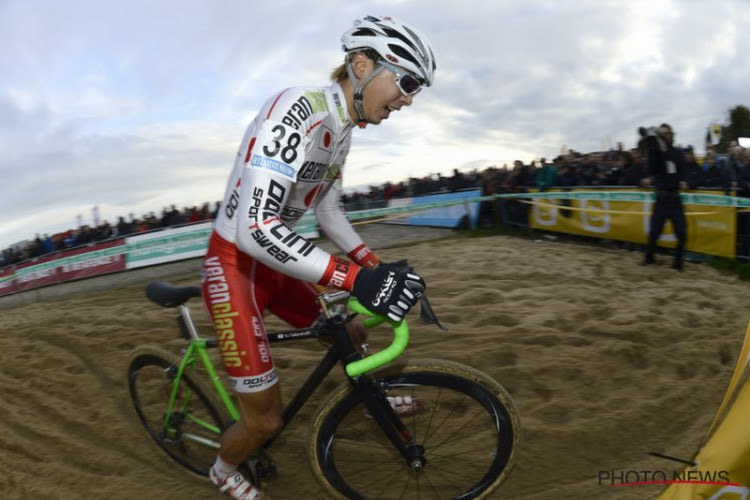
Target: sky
{"x": 134, "y": 105}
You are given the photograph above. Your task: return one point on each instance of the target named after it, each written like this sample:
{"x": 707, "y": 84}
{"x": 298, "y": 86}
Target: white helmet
{"x": 394, "y": 41}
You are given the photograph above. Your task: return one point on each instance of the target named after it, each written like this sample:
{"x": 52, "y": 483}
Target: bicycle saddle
{"x": 168, "y": 295}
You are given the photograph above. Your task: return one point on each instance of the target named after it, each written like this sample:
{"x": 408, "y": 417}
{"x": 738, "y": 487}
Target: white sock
{"x": 223, "y": 468}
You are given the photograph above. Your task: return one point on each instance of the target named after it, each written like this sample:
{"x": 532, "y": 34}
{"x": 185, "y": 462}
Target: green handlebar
{"x": 400, "y": 340}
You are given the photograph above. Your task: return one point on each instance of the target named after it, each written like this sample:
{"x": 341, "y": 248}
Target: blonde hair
{"x": 339, "y": 73}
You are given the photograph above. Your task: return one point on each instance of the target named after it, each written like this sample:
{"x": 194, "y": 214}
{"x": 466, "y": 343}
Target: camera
{"x": 651, "y": 138}
{"x": 649, "y": 132}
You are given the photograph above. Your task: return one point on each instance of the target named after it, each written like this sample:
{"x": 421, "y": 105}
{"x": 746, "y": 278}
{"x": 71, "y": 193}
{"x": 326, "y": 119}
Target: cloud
{"x": 136, "y": 105}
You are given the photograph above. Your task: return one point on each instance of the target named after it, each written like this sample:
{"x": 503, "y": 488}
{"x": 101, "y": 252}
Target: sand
{"x": 605, "y": 359}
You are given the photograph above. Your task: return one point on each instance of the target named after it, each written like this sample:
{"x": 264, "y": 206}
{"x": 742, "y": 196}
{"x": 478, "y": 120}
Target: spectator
{"x": 743, "y": 171}
{"x": 489, "y": 210}
{"x": 712, "y": 174}
{"x": 124, "y": 228}
{"x": 693, "y": 172}
{"x": 72, "y": 239}
{"x": 566, "y": 177}
{"x": 457, "y": 182}
{"x": 546, "y": 176}
{"x": 667, "y": 171}
{"x": 630, "y": 169}
{"x": 47, "y": 245}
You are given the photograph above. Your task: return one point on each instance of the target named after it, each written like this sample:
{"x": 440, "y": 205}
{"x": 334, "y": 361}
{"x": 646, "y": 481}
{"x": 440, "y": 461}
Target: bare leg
{"x": 260, "y": 420}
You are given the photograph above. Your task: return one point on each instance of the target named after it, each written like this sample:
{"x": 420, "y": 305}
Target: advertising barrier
{"x": 80, "y": 263}
{"x": 73, "y": 264}
{"x": 449, "y": 211}
{"x": 167, "y": 246}
{"x": 142, "y": 250}
{"x": 447, "y": 216}
{"x": 711, "y": 225}
{"x": 619, "y": 215}
{"x": 7, "y": 281}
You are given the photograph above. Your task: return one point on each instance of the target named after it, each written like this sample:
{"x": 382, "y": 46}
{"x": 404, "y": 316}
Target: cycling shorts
{"x": 237, "y": 289}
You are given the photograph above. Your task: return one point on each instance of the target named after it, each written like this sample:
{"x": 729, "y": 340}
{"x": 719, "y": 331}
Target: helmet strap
{"x": 359, "y": 87}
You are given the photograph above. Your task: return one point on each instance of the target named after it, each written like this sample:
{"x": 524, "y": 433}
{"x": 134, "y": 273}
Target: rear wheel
{"x": 190, "y": 432}
{"x": 465, "y": 420}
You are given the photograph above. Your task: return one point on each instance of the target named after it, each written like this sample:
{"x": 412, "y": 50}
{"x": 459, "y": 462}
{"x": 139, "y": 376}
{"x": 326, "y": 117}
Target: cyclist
{"x": 290, "y": 160}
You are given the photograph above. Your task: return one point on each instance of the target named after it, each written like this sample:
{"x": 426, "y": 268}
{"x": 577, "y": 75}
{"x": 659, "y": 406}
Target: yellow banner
{"x": 711, "y": 230}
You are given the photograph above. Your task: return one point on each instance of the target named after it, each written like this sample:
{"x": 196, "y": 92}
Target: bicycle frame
{"x": 196, "y": 350}
{"x": 341, "y": 349}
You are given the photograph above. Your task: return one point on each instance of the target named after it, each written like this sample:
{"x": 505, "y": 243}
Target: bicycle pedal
{"x": 262, "y": 466}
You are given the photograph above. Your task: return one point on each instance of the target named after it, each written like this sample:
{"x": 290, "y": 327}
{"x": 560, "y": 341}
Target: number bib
{"x": 279, "y": 148}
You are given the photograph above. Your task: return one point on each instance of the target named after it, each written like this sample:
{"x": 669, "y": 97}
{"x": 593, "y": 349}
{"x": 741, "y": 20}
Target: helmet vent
{"x": 402, "y": 52}
{"x": 395, "y": 34}
{"x": 415, "y": 37}
{"x": 364, "y": 32}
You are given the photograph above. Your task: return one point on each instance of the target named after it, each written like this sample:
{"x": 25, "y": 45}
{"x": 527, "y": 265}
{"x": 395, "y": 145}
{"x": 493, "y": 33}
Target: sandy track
{"x": 606, "y": 361}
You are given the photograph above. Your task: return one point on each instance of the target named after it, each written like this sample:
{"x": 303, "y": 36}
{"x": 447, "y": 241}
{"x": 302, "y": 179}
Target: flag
{"x": 714, "y": 131}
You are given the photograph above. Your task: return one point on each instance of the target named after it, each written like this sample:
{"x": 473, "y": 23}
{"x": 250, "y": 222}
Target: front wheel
{"x": 189, "y": 432}
{"x": 464, "y": 419}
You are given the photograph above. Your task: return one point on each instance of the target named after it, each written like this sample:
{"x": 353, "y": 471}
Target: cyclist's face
{"x": 382, "y": 96}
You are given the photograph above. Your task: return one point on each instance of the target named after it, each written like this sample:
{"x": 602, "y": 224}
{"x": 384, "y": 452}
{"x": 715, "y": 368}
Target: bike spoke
{"x": 190, "y": 432}
{"x": 446, "y": 473}
{"x": 431, "y": 485}
{"x": 470, "y": 451}
{"x": 462, "y": 447}
{"x": 385, "y": 482}
{"x": 452, "y": 437}
{"x": 443, "y": 479}
{"x": 387, "y": 463}
{"x": 406, "y": 487}
{"x": 435, "y": 404}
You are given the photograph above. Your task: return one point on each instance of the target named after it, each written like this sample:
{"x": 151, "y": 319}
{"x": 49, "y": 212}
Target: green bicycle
{"x": 429, "y": 429}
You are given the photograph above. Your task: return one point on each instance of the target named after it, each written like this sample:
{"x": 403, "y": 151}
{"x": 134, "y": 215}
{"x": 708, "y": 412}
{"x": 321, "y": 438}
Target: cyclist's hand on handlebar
{"x": 388, "y": 290}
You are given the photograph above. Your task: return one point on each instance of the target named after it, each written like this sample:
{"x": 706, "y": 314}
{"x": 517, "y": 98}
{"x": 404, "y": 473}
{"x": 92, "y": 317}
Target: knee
{"x": 272, "y": 424}
{"x": 266, "y": 424}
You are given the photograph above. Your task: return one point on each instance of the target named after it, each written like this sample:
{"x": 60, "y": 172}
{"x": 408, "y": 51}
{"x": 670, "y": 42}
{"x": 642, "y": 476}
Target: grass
{"x": 731, "y": 266}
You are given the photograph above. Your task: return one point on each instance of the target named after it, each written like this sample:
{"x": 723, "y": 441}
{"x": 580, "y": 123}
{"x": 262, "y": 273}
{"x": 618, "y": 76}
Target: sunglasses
{"x": 407, "y": 83}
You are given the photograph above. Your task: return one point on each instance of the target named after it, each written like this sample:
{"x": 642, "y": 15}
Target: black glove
{"x": 388, "y": 290}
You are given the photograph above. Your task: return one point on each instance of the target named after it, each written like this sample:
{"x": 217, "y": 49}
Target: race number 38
{"x": 283, "y": 142}
{"x": 280, "y": 149}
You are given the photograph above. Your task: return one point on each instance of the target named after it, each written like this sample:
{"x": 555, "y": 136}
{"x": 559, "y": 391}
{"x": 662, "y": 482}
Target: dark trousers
{"x": 668, "y": 206}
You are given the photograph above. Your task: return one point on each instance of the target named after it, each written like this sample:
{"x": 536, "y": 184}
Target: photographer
{"x": 667, "y": 174}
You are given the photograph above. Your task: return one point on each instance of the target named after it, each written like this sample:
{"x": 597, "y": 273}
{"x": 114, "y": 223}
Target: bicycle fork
{"x": 374, "y": 399}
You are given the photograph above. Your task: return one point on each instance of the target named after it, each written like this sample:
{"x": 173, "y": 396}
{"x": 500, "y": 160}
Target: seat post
{"x": 187, "y": 321}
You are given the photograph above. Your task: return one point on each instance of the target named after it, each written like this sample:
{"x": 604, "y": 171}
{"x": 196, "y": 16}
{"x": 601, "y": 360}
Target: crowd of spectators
{"x": 625, "y": 168}
{"x": 728, "y": 173}
{"x": 42, "y": 245}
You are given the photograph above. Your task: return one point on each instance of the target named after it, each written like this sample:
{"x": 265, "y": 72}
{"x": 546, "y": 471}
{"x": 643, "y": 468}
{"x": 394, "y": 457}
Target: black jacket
{"x": 667, "y": 168}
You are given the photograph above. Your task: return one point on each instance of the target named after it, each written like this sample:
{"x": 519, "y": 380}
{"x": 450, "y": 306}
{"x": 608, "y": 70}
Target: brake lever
{"x": 428, "y": 315}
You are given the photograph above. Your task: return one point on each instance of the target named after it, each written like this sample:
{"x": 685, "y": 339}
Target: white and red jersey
{"x": 291, "y": 159}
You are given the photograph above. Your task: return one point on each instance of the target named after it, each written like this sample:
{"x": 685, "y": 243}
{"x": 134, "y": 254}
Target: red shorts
{"x": 236, "y": 291}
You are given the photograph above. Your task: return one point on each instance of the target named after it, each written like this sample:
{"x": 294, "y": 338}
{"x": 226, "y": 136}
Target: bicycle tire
{"x": 149, "y": 385}
{"x": 455, "y": 399}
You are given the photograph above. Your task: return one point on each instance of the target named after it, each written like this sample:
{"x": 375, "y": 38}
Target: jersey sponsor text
{"x": 219, "y": 300}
